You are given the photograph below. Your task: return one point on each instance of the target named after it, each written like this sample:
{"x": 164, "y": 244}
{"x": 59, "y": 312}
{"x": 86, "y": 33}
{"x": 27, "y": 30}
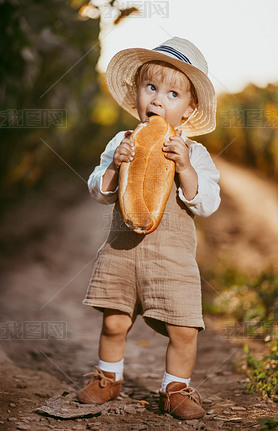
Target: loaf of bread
{"x": 145, "y": 183}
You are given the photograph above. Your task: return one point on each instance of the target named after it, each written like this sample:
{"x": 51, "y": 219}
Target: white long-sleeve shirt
{"x": 207, "y": 199}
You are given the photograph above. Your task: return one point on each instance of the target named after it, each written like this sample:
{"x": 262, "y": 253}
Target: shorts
{"x": 155, "y": 275}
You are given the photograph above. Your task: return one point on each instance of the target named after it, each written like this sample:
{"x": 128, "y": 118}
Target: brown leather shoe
{"x": 181, "y": 401}
{"x": 101, "y": 388}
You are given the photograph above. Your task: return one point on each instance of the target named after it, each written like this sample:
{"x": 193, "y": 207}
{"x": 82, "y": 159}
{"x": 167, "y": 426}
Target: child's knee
{"x": 182, "y": 334}
{"x": 116, "y": 323}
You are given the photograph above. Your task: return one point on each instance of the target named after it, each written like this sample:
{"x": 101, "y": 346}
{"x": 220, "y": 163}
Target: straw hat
{"x": 121, "y": 71}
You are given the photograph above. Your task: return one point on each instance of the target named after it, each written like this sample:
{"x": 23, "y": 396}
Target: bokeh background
{"x": 49, "y": 58}
{"x": 57, "y": 116}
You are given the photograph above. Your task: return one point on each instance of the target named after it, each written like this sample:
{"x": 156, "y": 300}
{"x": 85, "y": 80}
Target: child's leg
{"x": 176, "y": 397}
{"x": 181, "y": 350}
{"x": 107, "y": 379}
{"x": 115, "y": 327}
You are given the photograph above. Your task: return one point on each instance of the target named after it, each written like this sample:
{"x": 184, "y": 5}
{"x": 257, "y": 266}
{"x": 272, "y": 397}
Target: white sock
{"x": 112, "y": 367}
{"x": 168, "y": 378}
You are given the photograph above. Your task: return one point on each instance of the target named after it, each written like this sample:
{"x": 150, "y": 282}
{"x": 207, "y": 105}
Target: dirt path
{"x": 46, "y": 282}
{"x": 243, "y": 232}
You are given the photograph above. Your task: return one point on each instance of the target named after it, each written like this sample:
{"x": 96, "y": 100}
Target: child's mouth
{"x": 150, "y": 114}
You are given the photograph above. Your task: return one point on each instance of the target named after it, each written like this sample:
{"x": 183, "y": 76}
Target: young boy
{"x": 156, "y": 275}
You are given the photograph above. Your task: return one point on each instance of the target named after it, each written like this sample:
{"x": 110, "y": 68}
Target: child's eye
{"x": 151, "y": 87}
{"x": 173, "y": 94}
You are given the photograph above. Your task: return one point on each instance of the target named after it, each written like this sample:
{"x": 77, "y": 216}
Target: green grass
{"x": 268, "y": 423}
{"x": 262, "y": 374}
{"x": 252, "y": 302}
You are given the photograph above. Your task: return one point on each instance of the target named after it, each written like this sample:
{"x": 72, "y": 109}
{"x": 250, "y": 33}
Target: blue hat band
{"x": 174, "y": 52}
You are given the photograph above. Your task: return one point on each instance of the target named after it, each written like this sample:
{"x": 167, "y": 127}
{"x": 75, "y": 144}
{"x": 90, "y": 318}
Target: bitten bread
{"x": 145, "y": 183}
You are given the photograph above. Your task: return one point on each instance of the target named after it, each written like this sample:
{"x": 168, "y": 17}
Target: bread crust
{"x": 145, "y": 183}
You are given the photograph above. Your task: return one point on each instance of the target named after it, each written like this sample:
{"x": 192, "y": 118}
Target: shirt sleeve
{"x": 95, "y": 179}
{"x": 207, "y": 199}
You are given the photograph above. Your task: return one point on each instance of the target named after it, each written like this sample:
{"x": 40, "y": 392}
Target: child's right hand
{"x": 124, "y": 152}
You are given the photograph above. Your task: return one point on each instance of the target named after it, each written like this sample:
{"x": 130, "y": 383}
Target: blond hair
{"x": 150, "y": 70}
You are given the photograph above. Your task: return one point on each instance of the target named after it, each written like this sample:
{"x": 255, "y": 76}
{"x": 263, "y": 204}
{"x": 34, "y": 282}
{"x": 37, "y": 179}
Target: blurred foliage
{"x": 268, "y": 423}
{"x": 42, "y": 70}
{"x": 49, "y": 56}
{"x": 241, "y": 302}
{"x": 246, "y": 299}
{"x": 49, "y": 63}
{"x": 250, "y": 120}
{"x": 262, "y": 374}
{"x": 252, "y": 304}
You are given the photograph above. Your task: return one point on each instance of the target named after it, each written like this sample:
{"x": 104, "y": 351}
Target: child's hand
{"x": 124, "y": 152}
{"x": 177, "y": 149}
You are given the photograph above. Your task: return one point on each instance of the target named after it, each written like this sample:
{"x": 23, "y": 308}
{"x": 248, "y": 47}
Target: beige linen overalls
{"x": 155, "y": 275}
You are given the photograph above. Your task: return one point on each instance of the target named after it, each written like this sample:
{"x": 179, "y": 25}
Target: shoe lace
{"x": 99, "y": 375}
{"x": 192, "y": 393}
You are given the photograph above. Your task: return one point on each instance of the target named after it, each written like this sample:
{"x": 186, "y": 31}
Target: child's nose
{"x": 157, "y": 101}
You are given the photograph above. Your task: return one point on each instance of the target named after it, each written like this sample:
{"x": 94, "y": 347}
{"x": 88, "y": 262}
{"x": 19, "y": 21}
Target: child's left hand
{"x": 177, "y": 149}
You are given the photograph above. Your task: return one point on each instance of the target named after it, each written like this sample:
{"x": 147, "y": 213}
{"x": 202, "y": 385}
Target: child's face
{"x": 167, "y": 95}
